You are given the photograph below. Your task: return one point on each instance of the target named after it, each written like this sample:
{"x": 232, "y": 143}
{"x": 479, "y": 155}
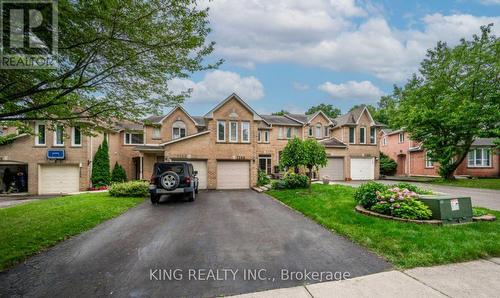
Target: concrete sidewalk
{"x": 471, "y": 279}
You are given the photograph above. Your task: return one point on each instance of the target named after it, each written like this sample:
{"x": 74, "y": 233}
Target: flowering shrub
{"x": 366, "y": 193}
{"x": 401, "y": 202}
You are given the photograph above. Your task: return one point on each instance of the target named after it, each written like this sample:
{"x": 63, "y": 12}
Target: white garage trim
{"x": 233, "y": 174}
{"x": 201, "y": 167}
{"x": 362, "y": 168}
{"x": 57, "y": 179}
{"x": 333, "y": 169}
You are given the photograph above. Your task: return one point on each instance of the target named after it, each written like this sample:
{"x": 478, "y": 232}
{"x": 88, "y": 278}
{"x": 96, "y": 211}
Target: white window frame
{"x": 259, "y": 136}
{"x": 483, "y": 160}
{"x": 223, "y": 122}
{"x": 280, "y": 132}
{"x": 231, "y": 140}
{"x": 55, "y": 136}
{"x": 362, "y": 141}
{"x": 156, "y": 133}
{"x": 37, "y": 131}
{"x": 266, "y": 136}
{"x": 310, "y": 131}
{"x": 73, "y": 137}
{"x": 374, "y": 135}
{"x": 289, "y": 135}
{"x": 384, "y": 141}
{"x": 130, "y": 138}
{"x": 296, "y": 132}
{"x": 243, "y": 124}
{"x": 319, "y": 129}
{"x": 354, "y": 135}
{"x": 327, "y": 131}
{"x": 180, "y": 125}
{"x": 429, "y": 164}
{"x": 401, "y": 138}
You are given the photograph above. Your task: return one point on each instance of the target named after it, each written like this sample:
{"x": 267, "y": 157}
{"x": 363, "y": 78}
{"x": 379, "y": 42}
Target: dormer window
{"x": 318, "y": 130}
{"x": 178, "y": 129}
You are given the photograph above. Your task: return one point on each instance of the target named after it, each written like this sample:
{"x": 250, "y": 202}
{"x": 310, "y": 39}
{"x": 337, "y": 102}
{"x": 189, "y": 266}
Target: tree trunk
{"x": 310, "y": 177}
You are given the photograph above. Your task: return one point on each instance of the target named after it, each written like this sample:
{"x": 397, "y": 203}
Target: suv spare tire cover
{"x": 169, "y": 180}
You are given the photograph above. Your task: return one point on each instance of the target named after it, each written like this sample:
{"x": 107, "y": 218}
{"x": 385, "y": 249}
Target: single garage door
{"x": 333, "y": 169}
{"x": 362, "y": 168}
{"x": 233, "y": 174}
{"x": 54, "y": 179}
{"x": 201, "y": 167}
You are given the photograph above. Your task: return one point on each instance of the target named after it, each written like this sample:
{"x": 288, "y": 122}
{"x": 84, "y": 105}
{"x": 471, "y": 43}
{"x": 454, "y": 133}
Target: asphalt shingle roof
{"x": 333, "y": 142}
{"x": 279, "y": 120}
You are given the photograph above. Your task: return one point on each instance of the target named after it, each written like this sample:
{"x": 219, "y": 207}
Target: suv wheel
{"x": 169, "y": 180}
{"x": 192, "y": 196}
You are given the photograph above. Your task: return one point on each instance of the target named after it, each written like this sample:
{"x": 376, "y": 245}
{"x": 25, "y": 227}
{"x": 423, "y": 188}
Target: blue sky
{"x": 291, "y": 54}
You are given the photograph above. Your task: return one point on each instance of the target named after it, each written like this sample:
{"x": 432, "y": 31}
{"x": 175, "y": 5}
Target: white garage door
{"x": 201, "y": 167}
{"x": 362, "y": 168}
{"x": 334, "y": 169}
{"x": 58, "y": 179}
{"x": 233, "y": 174}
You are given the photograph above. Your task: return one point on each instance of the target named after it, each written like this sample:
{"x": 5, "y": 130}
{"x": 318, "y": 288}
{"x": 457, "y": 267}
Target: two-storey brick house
{"x": 412, "y": 159}
{"x": 227, "y": 146}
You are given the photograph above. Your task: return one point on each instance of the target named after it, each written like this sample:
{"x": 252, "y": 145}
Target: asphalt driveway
{"x": 222, "y": 230}
{"x": 488, "y": 198}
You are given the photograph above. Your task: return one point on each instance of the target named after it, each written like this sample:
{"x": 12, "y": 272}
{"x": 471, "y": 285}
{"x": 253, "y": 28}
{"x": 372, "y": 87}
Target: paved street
{"x": 487, "y": 198}
{"x": 236, "y": 230}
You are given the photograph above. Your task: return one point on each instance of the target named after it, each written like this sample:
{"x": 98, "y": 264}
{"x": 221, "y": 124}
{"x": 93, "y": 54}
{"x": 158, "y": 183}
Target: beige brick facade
{"x": 201, "y": 142}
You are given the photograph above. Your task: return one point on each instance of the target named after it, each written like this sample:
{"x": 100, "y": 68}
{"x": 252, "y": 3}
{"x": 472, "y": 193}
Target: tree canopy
{"x": 115, "y": 60}
{"x": 453, "y": 99}
{"x": 328, "y": 109}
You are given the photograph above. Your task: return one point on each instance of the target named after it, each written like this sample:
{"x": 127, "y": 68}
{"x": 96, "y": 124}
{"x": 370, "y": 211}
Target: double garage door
{"x": 57, "y": 179}
{"x": 361, "y": 168}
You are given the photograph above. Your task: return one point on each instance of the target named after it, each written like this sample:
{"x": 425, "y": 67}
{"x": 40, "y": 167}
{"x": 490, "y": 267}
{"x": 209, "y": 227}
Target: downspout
{"x": 409, "y": 157}
{"x": 91, "y": 162}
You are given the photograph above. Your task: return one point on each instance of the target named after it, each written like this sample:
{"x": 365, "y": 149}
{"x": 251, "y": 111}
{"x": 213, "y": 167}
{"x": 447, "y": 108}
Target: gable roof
{"x": 352, "y": 117}
{"x": 484, "y": 142}
{"x": 185, "y": 138}
{"x": 311, "y": 117}
{"x": 301, "y": 118}
{"x": 210, "y": 114}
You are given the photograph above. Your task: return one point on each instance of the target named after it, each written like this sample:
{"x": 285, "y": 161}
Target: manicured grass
{"x": 406, "y": 245}
{"x": 27, "y": 229}
{"x": 489, "y": 183}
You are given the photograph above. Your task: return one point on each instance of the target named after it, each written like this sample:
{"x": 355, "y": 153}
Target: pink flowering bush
{"x": 401, "y": 202}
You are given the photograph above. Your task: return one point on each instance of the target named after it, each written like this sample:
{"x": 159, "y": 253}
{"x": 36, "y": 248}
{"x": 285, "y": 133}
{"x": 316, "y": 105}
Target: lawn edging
{"x": 362, "y": 210}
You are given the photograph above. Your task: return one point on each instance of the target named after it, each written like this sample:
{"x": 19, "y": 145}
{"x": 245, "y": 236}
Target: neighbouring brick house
{"x": 412, "y": 159}
{"x": 227, "y": 146}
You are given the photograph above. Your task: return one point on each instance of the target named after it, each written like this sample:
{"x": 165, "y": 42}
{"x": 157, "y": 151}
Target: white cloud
{"x": 338, "y": 35}
{"x": 352, "y": 90}
{"x": 490, "y": 2}
{"x": 219, "y": 84}
{"x": 300, "y": 87}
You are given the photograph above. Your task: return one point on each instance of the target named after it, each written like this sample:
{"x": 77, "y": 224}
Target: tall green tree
{"x": 100, "y": 166}
{"x": 292, "y": 155}
{"x": 314, "y": 156}
{"x": 118, "y": 174}
{"x": 115, "y": 61}
{"x": 328, "y": 109}
{"x": 454, "y": 99}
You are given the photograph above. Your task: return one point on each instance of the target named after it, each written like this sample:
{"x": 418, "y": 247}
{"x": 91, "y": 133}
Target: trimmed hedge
{"x": 129, "y": 189}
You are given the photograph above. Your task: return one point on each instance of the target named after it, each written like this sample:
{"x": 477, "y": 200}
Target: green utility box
{"x": 450, "y": 210}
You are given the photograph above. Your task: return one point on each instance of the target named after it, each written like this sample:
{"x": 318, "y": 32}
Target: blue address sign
{"x": 55, "y": 154}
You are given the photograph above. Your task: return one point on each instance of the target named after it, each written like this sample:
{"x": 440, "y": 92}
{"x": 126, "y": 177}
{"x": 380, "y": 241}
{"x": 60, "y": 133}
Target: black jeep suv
{"x": 172, "y": 178}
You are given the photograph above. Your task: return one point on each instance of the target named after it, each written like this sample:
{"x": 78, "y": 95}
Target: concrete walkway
{"x": 487, "y": 198}
{"x": 470, "y": 279}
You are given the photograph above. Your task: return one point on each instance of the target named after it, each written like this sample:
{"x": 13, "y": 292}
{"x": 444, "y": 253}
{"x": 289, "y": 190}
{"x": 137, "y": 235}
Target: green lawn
{"x": 406, "y": 245}
{"x": 27, "y": 229}
{"x": 489, "y": 183}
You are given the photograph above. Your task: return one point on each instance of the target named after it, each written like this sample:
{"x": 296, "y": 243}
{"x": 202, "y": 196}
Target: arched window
{"x": 178, "y": 129}
{"x": 318, "y": 130}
